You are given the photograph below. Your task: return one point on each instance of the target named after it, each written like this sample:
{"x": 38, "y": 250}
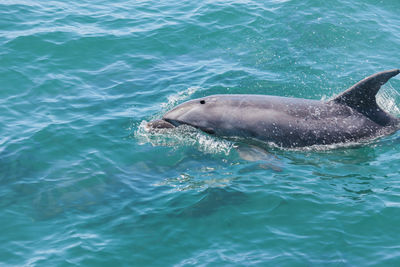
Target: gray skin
{"x": 354, "y": 115}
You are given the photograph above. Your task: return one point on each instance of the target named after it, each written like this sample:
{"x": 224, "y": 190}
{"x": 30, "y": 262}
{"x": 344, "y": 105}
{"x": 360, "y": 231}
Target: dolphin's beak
{"x": 181, "y": 115}
{"x": 176, "y": 116}
{"x": 169, "y": 120}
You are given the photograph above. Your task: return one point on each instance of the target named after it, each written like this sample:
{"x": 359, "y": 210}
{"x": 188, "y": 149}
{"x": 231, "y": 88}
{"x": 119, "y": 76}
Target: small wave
{"x": 186, "y": 182}
{"x": 319, "y": 147}
{"x": 180, "y": 96}
{"x": 329, "y": 147}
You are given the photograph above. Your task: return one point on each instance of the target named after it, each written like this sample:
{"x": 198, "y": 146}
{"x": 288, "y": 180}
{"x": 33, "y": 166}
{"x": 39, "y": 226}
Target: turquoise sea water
{"x": 82, "y": 183}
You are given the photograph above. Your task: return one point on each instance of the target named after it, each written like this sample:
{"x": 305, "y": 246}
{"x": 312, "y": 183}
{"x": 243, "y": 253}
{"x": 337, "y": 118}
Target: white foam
{"x": 183, "y": 136}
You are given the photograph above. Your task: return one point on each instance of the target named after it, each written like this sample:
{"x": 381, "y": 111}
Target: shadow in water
{"x": 208, "y": 202}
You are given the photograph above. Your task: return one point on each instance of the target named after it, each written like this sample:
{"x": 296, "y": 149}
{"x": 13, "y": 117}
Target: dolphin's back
{"x": 288, "y": 122}
{"x": 292, "y": 122}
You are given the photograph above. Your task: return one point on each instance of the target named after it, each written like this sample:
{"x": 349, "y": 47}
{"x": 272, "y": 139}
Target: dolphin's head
{"x": 199, "y": 113}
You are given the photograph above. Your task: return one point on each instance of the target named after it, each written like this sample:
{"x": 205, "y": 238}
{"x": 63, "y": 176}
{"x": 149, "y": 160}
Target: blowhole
{"x": 202, "y": 102}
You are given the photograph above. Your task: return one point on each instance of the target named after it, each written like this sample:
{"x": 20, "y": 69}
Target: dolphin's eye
{"x": 202, "y": 102}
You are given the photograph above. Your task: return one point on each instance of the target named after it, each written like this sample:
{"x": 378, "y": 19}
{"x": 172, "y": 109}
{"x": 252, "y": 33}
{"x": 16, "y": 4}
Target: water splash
{"x": 183, "y": 136}
{"x": 388, "y": 98}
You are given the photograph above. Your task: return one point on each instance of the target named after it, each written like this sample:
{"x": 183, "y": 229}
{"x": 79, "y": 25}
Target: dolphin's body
{"x": 290, "y": 122}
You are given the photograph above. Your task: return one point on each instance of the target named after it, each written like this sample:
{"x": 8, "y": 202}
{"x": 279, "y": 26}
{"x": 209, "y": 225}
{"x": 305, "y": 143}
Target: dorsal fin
{"x": 362, "y": 95}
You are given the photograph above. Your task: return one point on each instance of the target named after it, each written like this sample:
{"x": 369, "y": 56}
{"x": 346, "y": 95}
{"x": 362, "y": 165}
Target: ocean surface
{"x": 82, "y": 183}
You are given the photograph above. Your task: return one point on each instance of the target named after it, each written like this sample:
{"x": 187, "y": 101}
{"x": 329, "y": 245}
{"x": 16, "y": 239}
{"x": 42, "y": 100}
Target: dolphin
{"x": 287, "y": 122}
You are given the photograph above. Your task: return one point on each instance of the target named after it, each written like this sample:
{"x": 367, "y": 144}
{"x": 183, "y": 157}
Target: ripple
{"x": 84, "y": 183}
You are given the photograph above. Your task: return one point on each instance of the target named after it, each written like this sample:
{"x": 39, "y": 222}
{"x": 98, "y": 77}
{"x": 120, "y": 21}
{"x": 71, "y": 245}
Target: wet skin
{"x": 290, "y": 122}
